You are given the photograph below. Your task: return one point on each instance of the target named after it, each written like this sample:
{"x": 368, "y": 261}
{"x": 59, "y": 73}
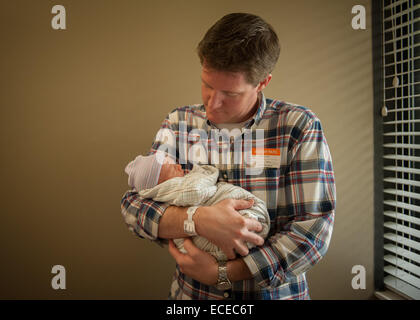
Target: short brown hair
{"x": 241, "y": 42}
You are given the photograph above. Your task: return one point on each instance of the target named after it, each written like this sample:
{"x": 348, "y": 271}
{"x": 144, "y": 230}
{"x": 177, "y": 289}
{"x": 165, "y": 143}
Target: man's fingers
{"x": 171, "y": 245}
{"x": 243, "y": 204}
{"x": 242, "y": 249}
{"x": 254, "y": 238}
{"x": 173, "y": 250}
{"x": 230, "y": 254}
{"x": 253, "y": 225}
{"x": 189, "y": 246}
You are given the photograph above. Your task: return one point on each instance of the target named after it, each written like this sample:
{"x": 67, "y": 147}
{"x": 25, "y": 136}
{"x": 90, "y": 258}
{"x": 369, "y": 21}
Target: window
{"x": 396, "y": 35}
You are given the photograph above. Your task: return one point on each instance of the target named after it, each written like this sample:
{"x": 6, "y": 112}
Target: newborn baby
{"x": 157, "y": 177}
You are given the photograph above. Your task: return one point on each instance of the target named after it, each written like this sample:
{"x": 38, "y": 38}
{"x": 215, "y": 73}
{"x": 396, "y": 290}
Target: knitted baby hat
{"x": 143, "y": 172}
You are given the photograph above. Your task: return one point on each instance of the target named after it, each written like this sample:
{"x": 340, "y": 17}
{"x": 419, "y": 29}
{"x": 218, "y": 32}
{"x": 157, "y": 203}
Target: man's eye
{"x": 232, "y": 94}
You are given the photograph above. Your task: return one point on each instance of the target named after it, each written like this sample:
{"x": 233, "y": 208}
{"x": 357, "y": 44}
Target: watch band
{"x": 223, "y": 282}
{"x": 189, "y": 225}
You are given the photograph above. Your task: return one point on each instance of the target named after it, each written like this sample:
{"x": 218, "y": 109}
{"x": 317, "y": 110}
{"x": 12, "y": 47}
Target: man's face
{"x": 227, "y": 96}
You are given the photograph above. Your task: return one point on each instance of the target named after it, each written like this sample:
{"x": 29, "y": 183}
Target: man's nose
{"x": 215, "y": 100}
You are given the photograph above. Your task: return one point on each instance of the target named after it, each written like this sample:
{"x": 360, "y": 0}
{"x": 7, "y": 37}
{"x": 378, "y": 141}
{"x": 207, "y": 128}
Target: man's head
{"x": 241, "y": 42}
{"x": 238, "y": 54}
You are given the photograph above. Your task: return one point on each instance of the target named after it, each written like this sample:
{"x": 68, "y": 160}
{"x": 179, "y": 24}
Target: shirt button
{"x": 226, "y": 294}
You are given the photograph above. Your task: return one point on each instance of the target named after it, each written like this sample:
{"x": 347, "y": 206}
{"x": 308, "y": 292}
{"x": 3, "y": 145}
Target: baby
{"x": 157, "y": 177}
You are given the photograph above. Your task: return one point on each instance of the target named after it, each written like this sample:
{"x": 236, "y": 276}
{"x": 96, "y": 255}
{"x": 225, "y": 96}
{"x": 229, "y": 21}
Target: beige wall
{"x": 77, "y": 105}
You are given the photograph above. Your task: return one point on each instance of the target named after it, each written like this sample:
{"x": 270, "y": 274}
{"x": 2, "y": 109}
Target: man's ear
{"x": 263, "y": 84}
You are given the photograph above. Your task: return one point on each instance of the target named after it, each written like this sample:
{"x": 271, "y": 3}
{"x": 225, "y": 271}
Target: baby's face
{"x": 169, "y": 171}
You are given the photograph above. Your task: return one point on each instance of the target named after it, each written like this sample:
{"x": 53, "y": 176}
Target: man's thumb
{"x": 188, "y": 245}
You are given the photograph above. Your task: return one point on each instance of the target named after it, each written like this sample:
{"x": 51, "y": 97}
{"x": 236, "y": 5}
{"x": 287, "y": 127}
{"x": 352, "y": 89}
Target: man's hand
{"x": 197, "y": 264}
{"x": 222, "y": 225}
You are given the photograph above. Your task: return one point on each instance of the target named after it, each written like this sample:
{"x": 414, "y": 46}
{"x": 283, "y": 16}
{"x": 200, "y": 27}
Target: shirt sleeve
{"x": 310, "y": 205}
{"x": 142, "y": 216}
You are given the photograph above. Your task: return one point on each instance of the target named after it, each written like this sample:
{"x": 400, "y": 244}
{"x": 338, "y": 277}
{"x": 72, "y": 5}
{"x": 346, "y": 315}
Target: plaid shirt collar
{"x": 252, "y": 123}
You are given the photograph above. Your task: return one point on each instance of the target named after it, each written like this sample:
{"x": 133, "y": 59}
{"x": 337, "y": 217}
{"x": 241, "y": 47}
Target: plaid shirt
{"x": 296, "y": 183}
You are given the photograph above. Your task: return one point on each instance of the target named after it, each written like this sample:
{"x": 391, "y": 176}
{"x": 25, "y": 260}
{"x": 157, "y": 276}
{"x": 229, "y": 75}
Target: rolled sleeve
{"x": 142, "y": 216}
{"x": 263, "y": 264}
{"x": 286, "y": 255}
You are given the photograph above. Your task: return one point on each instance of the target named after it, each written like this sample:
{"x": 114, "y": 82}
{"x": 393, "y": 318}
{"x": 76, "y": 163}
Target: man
{"x": 289, "y": 167}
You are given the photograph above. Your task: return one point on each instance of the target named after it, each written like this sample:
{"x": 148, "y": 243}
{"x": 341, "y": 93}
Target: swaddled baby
{"x": 157, "y": 177}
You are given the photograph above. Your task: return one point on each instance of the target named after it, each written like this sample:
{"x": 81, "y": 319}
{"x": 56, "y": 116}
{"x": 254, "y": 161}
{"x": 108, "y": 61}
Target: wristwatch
{"x": 189, "y": 226}
{"x": 223, "y": 282}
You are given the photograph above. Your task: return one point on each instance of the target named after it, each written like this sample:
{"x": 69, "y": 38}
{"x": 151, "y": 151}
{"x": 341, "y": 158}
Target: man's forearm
{"x": 171, "y": 224}
{"x": 237, "y": 270}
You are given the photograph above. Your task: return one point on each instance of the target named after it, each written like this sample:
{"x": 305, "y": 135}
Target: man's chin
{"x": 215, "y": 119}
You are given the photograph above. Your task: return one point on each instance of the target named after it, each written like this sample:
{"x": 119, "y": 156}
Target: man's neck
{"x": 253, "y": 110}
{"x": 240, "y": 124}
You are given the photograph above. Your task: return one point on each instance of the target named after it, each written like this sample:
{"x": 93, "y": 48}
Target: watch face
{"x": 224, "y": 285}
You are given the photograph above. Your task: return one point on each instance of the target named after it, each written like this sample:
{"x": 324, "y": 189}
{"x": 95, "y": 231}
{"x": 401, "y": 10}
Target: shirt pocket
{"x": 264, "y": 184}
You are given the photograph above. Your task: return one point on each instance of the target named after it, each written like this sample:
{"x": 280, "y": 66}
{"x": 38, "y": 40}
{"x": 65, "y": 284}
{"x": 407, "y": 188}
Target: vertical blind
{"x": 401, "y": 148}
